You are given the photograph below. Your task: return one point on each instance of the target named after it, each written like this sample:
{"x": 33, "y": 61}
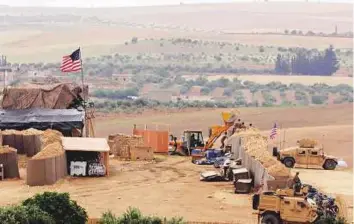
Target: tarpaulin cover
{"x": 42, "y": 119}
{"x": 59, "y": 96}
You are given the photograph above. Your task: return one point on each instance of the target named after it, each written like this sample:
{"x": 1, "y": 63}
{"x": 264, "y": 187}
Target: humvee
{"x": 282, "y": 206}
{"x": 305, "y": 158}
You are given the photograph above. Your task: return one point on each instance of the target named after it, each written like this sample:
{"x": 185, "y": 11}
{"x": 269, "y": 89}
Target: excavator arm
{"x": 216, "y": 132}
{"x": 229, "y": 119}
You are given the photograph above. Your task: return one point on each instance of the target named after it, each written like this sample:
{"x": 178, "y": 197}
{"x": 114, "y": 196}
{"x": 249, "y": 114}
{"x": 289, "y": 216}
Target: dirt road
{"x": 168, "y": 188}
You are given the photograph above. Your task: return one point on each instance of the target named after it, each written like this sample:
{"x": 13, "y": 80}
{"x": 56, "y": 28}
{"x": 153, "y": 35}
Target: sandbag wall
{"x": 49, "y": 165}
{"x": 130, "y": 147}
{"x": 251, "y": 147}
{"x": 120, "y": 144}
{"x": 8, "y": 158}
{"x": 26, "y": 142}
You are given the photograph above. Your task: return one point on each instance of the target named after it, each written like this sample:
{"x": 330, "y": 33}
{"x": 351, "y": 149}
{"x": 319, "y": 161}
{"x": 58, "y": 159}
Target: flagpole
{"x": 280, "y": 128}
{"x": 83, "y": 94}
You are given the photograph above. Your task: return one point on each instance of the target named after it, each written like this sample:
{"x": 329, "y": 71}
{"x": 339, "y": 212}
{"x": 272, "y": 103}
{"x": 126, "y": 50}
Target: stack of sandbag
{"x": 307, "y": 143}
{"x": 8, "y": 158}
{"x": 256, "y": 146}
{"x": 120, "y": 144}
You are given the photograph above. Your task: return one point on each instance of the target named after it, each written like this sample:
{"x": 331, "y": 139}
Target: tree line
{"x": 308, "y": 62}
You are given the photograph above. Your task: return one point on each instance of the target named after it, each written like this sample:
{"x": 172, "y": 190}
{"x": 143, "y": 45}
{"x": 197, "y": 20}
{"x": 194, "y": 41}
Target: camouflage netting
{"x": 59, "y": 96}
{"x": 256, "y": 146}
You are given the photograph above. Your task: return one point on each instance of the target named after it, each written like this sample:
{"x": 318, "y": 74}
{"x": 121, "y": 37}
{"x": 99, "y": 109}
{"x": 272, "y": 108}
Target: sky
{"x": 123, "y": 3}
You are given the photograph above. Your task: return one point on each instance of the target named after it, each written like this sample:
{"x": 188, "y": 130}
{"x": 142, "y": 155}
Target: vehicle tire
{"x": 289, "y": 162}
{"x": 275, "y": 151}
{"x": 270, "y": 219}
{"x": 330, "y": 164}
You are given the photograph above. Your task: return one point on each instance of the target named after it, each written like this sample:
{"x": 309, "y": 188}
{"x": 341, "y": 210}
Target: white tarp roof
{"x": 85, "y": 144}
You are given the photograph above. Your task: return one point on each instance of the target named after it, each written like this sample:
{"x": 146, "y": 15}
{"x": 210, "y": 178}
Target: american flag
{"x": 72, "y": 62}
{"x": 273, "y": 133}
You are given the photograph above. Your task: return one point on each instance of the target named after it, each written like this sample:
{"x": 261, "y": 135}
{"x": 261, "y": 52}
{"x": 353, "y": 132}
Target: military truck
{"x": 306, "y": 157}
{"x": 283, "y": 206}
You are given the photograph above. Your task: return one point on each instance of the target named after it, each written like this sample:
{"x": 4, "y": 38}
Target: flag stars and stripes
{"x": 273, "y": 132}
{"x": 71, "y": 63}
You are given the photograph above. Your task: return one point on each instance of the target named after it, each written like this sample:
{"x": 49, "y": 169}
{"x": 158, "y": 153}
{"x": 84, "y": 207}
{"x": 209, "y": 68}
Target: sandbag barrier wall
{"x": 46, "y": 171}
{"x": 257, "y": 170}
{"x": 29, "y": 145}
{"x": 10, "y": 164}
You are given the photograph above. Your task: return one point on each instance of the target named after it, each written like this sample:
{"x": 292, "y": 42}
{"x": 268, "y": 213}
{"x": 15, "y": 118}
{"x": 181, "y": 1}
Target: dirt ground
{"x": 263, "y": 118}
{"x": 168, "y": 188}
{"x": 172, "y": 187}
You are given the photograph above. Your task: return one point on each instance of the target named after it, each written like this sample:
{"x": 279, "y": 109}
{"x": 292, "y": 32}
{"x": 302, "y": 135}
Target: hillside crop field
{"x": 100, "y": 31}
{"x": 285, "y": 79}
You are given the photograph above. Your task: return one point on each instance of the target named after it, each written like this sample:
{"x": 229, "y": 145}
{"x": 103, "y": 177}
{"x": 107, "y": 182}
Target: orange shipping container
{"x": 158, "y": 140}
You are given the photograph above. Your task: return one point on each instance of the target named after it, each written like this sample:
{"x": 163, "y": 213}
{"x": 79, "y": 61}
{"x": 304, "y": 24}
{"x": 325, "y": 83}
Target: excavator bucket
{"x": 230, "y": 116}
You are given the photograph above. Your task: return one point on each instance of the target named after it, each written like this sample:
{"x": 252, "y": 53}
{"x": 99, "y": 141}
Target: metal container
{"x": 241, "y": 173}
{"x": 243, "y": 186}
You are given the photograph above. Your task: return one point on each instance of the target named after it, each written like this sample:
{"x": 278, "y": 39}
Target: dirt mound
{"x": 50, "y": 136}
{"x": 32, "y": 131}
{"x": 51, "y": 150}
{"x": 256, "y": 145}
{"x": 6, "y": 149}
{"x": 11, "y": 132}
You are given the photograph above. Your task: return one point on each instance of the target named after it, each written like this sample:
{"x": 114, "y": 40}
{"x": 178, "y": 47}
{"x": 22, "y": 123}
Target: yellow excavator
{"x": 193, "y": 139}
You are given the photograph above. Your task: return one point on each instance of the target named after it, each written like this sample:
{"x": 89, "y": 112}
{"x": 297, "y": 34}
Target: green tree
{"x": 59, "y": 206}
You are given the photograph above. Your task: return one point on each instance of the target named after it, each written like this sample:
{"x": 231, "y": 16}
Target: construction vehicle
{"x": 283, "y": 206}
{"x": 191, "y": 139}
{"x": 186, "y": 144}
{"x": 306, "y": 157}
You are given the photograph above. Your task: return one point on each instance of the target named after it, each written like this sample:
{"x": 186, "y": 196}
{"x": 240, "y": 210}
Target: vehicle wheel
{"x": 270, "y": 219}
{"x": 330, "y": 164}
{"x": 289, "y": 162}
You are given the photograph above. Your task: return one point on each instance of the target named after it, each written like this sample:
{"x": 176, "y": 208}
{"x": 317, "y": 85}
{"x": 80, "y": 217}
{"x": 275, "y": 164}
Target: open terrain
{"x": 171, "y": 187}
{"x": 27, "y": 35}
{"x": 168, "y": 188}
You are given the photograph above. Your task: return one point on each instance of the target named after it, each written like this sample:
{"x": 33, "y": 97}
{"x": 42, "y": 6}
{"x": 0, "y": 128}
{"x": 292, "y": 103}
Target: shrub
{"x": 59, "y": 206}
{"x": 37, "y": 216}
{"x": 134, "y": 216}
{"x": 25, "y": 215}
{"x": 13, "y": 215}
{"x": 318, "y": 99}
